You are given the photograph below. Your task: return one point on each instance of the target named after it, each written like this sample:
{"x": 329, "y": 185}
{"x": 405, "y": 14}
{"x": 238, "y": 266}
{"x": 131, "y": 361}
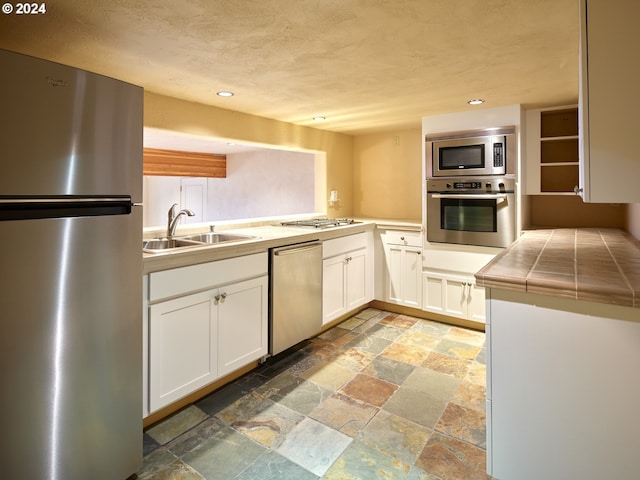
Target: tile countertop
{"x": 598, "y": 265}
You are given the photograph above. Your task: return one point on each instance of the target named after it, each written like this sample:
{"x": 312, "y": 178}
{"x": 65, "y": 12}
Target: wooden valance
{"x": 184, "y": 164}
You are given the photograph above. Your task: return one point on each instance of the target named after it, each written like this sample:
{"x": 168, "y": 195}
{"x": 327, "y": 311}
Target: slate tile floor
{"x": 381, "y": 395}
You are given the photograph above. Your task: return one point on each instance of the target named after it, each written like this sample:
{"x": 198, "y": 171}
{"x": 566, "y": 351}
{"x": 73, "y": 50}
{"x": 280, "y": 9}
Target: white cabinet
{"x": 205, "y": 321}
{"x": 242, "y": 324}
{"x": 453, "y": 295}
{"x": 347, "y": 274}
{"x": 402, "y": 267}
{"x": 448, "y": 280}
{"x": 609, "y": 104}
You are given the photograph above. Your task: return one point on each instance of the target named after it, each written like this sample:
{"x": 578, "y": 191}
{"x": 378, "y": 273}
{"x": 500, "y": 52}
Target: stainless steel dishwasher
{"x": 295, "y": 309}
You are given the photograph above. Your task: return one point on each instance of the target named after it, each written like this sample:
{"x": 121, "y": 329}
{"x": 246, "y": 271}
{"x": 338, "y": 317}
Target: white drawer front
{"x": 336, "y": 246}
{"x": 402, "y": 237}
{"x": 180, "y": 281}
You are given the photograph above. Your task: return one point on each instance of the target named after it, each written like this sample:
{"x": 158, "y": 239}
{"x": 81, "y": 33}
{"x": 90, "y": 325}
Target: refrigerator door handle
{"x": 17, "y": 208}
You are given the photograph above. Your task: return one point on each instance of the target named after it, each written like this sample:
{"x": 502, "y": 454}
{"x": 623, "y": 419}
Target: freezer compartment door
{"x": 71, "y": 347}
{"x": 67, "y": 131}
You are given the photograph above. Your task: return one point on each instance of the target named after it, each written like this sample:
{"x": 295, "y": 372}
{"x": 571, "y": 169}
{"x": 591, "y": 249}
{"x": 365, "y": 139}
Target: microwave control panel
{"x": 498, "y": 154}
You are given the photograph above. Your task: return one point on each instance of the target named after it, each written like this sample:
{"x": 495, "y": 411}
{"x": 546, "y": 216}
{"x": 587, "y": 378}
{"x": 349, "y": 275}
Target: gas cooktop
{"x": 319, "y": 222}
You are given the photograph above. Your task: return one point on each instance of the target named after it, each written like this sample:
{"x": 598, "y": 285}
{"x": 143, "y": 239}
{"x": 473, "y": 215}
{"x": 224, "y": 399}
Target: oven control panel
{"x": 465, "y": 185}
{"x": 503, "y": 184}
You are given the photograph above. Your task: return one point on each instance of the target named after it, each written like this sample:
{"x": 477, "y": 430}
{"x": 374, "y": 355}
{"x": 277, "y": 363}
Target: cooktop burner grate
{"x": 319, "y": 222}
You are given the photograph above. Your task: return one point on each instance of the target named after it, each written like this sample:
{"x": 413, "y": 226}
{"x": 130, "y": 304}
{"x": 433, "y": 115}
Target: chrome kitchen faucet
{"x": 172, "y": 219}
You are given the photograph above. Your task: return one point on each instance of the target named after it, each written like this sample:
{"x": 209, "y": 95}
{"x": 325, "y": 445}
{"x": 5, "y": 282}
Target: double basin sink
{"x": 157, "y": 245}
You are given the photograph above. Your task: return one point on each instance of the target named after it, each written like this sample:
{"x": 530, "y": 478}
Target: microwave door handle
{"x": 500, "y": 197}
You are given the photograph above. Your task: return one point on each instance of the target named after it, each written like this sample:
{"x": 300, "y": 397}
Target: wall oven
{"x": 472, "y": 211}
{"x": 474, "y": 152}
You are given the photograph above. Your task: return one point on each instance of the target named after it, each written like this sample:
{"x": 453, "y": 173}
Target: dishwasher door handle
{"x": 292, "y": 250}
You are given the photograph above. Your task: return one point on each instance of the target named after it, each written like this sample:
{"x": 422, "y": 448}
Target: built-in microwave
{"x": 476, "y": 152}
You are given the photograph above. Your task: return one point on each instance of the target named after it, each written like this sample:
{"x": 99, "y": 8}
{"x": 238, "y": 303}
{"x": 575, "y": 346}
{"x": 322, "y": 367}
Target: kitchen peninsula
{"x": 563, "y": 345}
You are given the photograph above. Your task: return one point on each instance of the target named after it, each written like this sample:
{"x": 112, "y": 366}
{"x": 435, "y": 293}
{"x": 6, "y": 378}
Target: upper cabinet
{"x": 552, "y": 151}
{"x": 609, "y": 102}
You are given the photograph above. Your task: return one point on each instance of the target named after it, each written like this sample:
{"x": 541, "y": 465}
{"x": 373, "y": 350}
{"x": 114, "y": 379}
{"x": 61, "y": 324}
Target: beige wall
{"x": 569, "y": 211}
{"x": 387, "y": 175}
{"x": 173, "y": 114}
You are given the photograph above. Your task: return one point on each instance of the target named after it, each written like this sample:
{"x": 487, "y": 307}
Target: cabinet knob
{"x": 577, "y": 190}
{"x": 224, "y": 295}
{"x": 217, "y": 298}
{"x": 402, "y": 238}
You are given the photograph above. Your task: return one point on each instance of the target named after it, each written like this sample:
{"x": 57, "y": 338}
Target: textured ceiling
{"x": 367, "y": 65}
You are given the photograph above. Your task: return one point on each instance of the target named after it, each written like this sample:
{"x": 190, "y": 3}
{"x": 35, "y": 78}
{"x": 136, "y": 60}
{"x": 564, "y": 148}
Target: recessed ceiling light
{"x": 319, "y": 118}
{"x": 476, "y": 101}
{"x": 225, "y": 94}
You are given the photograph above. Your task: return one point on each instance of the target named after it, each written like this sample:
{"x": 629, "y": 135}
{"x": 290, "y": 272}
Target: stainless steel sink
{"x": 158, "y": 245}
{"x": 161, "y": 244}
{"x": 215, "y": 237}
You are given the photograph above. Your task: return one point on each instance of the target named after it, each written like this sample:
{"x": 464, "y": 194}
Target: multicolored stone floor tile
{"x": 381, "y": 395}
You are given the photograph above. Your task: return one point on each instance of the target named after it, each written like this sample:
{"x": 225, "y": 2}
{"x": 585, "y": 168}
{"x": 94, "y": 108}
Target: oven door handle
{"x": 500, "y": 197}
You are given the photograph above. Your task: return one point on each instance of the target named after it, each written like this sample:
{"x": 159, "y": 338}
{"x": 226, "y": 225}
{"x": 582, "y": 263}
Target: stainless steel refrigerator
{"x": 71, "y": 269}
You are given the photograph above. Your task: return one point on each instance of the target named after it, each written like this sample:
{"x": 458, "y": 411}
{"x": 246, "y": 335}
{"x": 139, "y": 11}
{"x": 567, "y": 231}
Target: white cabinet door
{"x": 610, "y": 110}
{"x": 242, "y": 324}
{"x": 182, "y": 347}
{"x": 476, "y": 303}
{"x": 412, "y": 277}
{"x": 334, "y": 288}
{"x": 395, "y": 255}
{"x": 402, "y": 267}
{"x": 356, "y": 277}
{"x": 455, "y": 297}
{"x": 433, "y": 293}
{"x": 404, "y": 275}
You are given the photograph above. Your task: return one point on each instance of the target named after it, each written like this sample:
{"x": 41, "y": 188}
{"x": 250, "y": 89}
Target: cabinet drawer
{"x": 402, "y": 237}
{"x": 180, "y": 281}
{"x": 336, "y": 246}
